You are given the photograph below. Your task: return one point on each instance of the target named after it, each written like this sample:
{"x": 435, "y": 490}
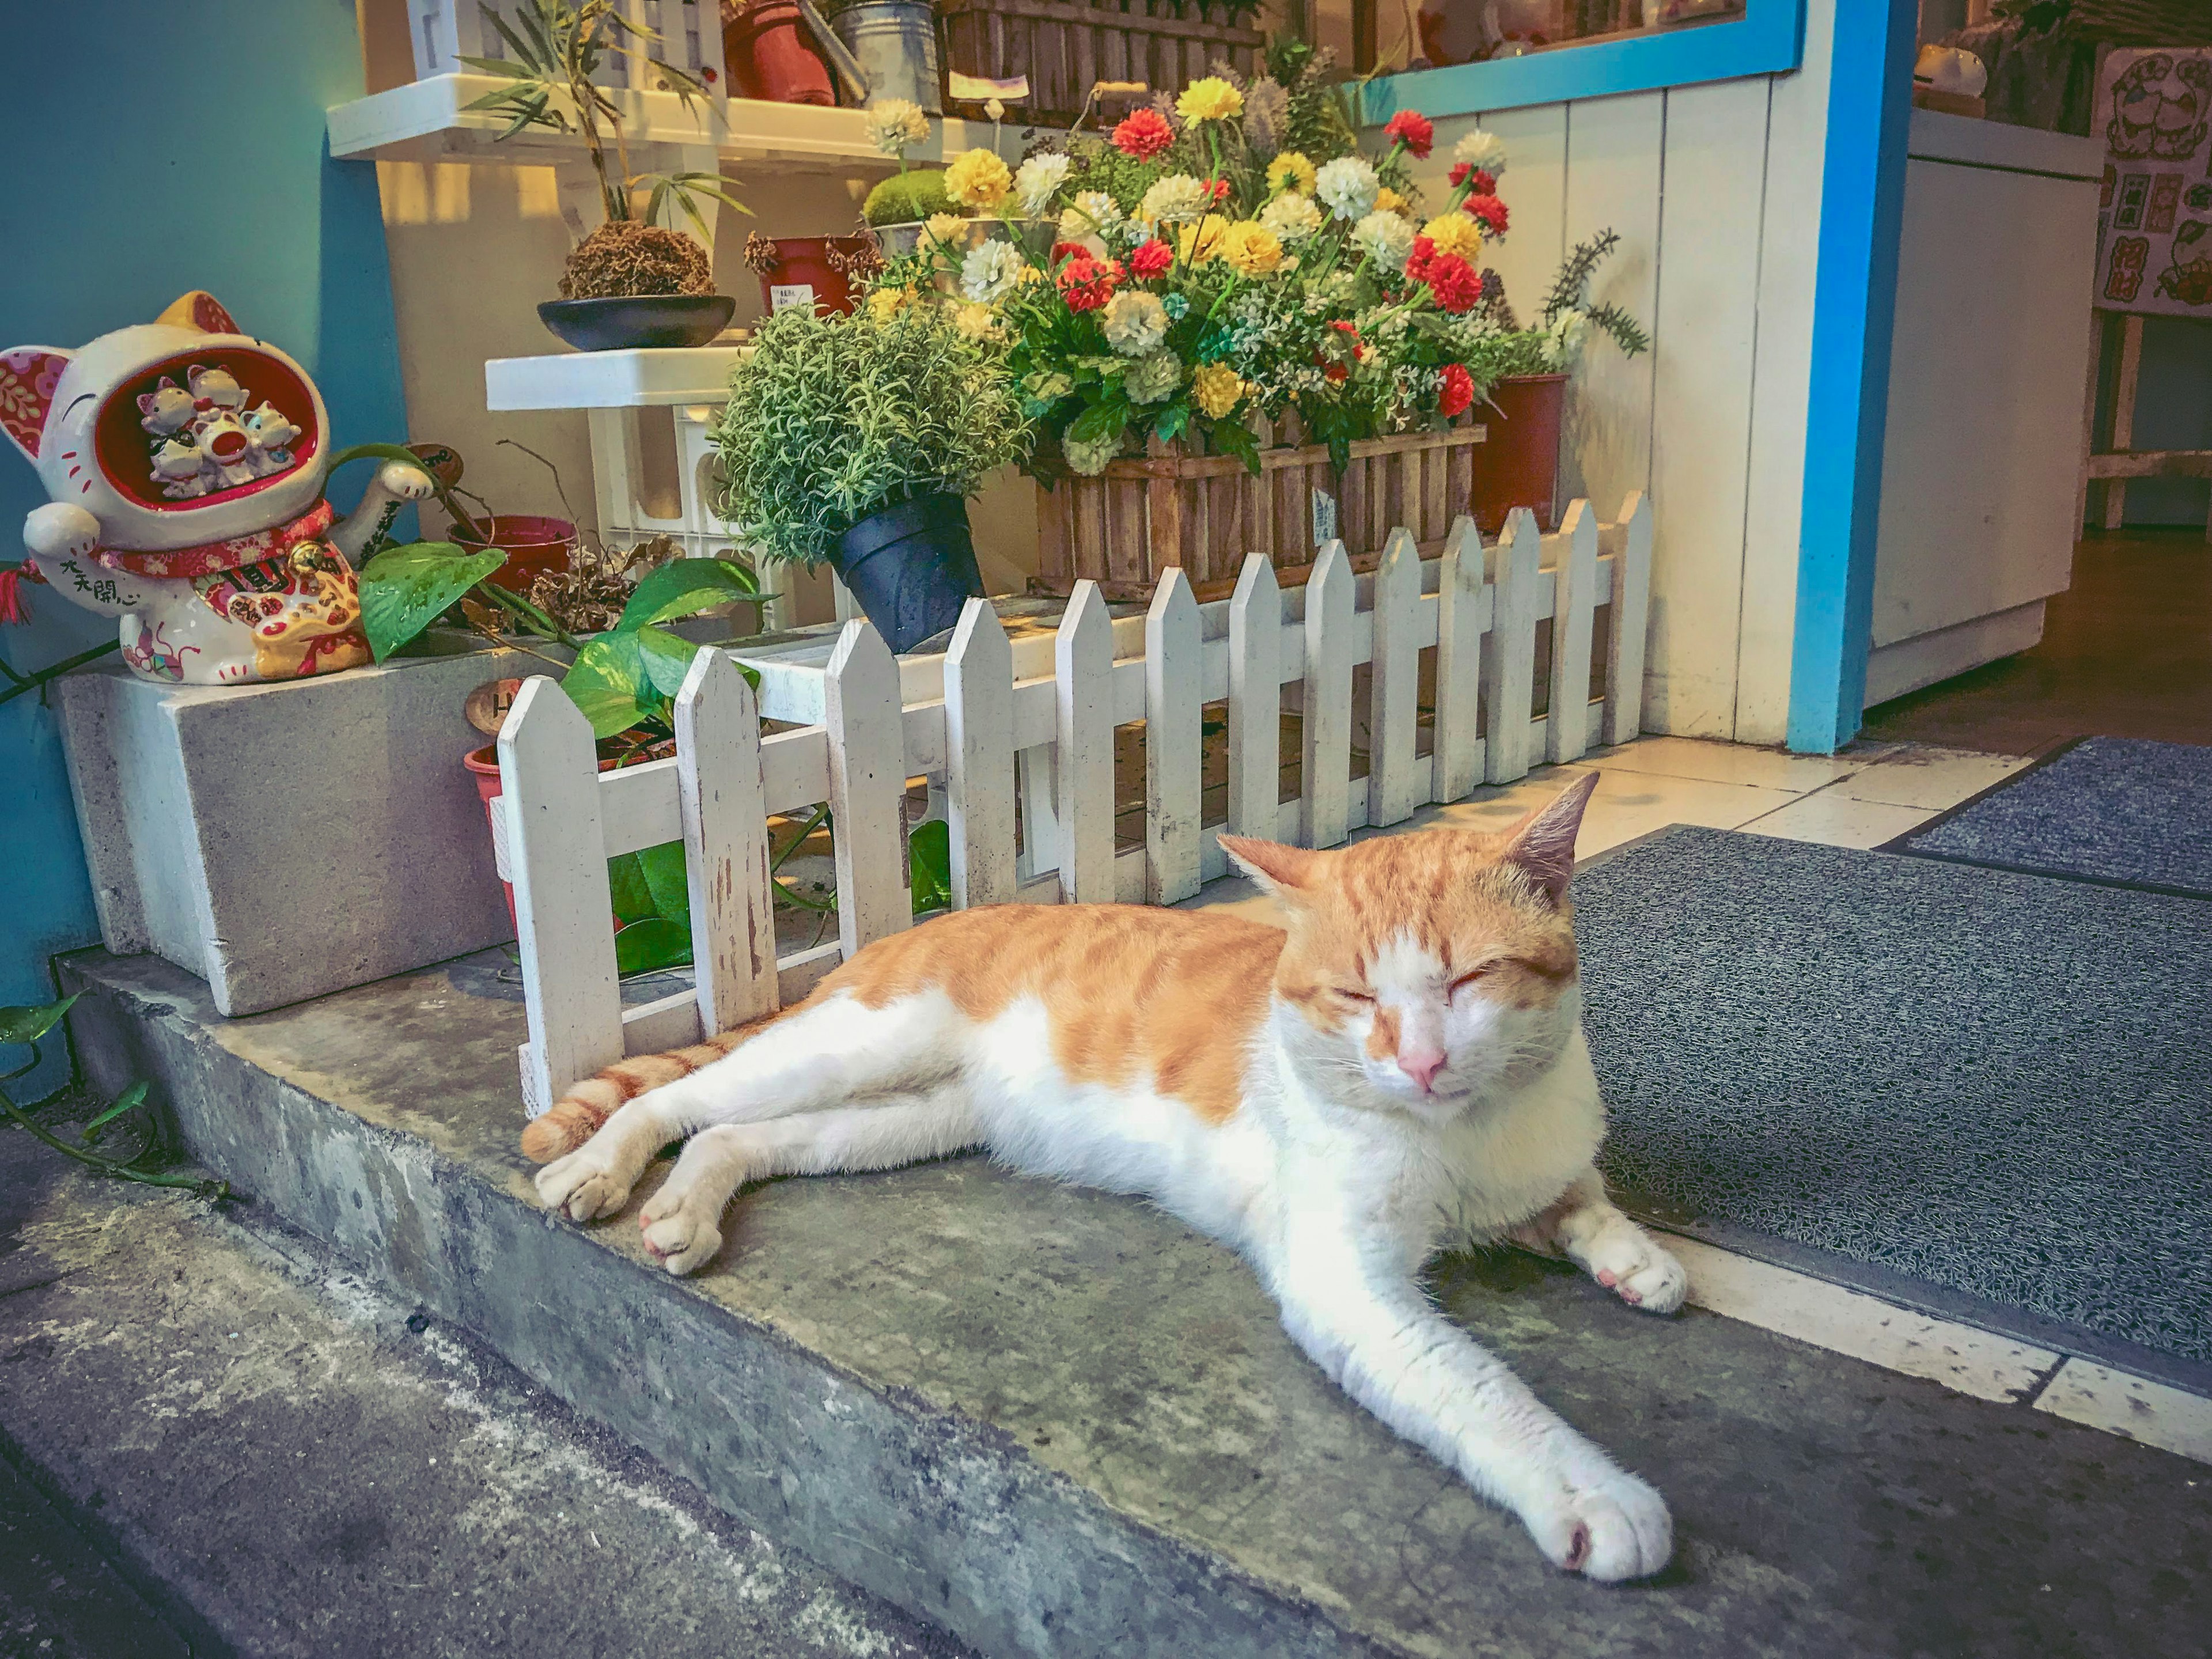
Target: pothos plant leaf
{"x": 632, "y": 898}
{"x": 608, "y": 682}
{"x": 662, "y": 867}
{"x": 128, "y": 1099}
{"x": 665, "y": 658}
{"x": 29, "y": 1024}
{"x": 655, "y": 943}
{"x": 929, "y": 866}
{"x": 684, "y": 587}
{"x": 404, "y": 589}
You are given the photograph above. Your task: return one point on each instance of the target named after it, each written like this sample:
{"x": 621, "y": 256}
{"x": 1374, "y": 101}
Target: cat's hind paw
{"x": 1609, "y": 1527}
{"x": 1630, "y": 1263}
{"x": 680, "y": 1231}
{"x": 583, "y": 1186}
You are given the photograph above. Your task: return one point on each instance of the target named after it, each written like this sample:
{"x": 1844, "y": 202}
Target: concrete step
{"x": 282, "y": 1458}
{"x": 1056, "y": 1423}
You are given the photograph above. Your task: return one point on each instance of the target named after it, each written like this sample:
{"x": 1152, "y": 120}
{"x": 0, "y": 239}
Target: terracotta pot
{"x": 770, "y": 56}
{"x": 483, "y": 767}
{"x": 1519, "y": 464}
{"x": 535, "y": 547}
{"x": 804, "y": 275}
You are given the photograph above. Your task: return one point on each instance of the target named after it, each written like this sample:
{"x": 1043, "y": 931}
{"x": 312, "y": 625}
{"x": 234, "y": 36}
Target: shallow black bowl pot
{"x": 626, "y": 323}
{"x": 912, "y": 567}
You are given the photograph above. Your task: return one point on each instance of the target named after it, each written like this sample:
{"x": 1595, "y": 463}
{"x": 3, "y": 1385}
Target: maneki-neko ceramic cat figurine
{"x": 186, "y": 462}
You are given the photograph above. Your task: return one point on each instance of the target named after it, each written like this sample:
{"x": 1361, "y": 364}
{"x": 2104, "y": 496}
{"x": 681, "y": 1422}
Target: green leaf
{"x": 29, "y": 1024}
{"x": 1100, "y": 422}
{"x": 929, "y": 866}
{"x": 663, "y": 867}
{"x": 382, "y": 453}
{"x": 666, "y": 658}
{"x": 607, "y": 681}
{"x": 500, "y": 66}
{"x": 684, "y": 587}
{"x": 124, "y": 1102}
{"x": 404, "y": 589}
{"x": 655, "y": 943}
{"x": 627, "y": 885}
{"x": 1172, "y": 419}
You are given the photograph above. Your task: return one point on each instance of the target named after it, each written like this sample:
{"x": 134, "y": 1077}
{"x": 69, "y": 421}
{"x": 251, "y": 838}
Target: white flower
{"x": 1135, "y": 322}
{"x": 1348, "y": 185}
{"x": 1176, "y": 198}
{"x": 1093, "y": 211}
{"x": 1152, "y": 379}
{"x": 1483, "y": 151}
{"x": 1036, "y": 179}
{"x": 1564, "y": 343}
{"x": 1292, "y": 216}
{"x": 1385, "y": 238}
{"x": 990, "y": 271}
{"x": 894, "y": 123}
{"x": 1090, "y": 459}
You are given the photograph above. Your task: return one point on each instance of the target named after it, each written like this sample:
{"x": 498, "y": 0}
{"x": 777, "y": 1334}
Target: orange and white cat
{"x": 1402, "y": 1068}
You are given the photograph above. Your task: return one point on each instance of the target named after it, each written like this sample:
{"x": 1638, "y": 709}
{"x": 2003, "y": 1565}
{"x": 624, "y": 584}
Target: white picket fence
{"x": 995, "y": 721}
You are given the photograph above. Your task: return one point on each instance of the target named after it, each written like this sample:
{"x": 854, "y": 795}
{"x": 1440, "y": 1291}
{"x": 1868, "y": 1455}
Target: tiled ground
{"x": 1861, "y": 798}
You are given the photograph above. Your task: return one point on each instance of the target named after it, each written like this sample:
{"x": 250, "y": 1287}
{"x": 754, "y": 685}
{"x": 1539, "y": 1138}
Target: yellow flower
{"x": 948, "y": 228}
{"x": 1290, "y": 171}
{"x": 1200, "y": 242}
{"x": 1388, "y": 200}
{"x": 1029, "y": 273}
{"x": 1217, "y": 389}
{"x": 1455, "y": 232}
{"x": 975, "y": 321}
{"x": 1209, "y": 98}
{"x": 978, "y": 178}
{"x": 886, "y": 303}
{"x": 1251, "y": 248}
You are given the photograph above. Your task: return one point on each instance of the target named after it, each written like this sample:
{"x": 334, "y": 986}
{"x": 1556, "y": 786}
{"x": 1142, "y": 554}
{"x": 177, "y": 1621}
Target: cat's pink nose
{"x": 1421, "y": 1067}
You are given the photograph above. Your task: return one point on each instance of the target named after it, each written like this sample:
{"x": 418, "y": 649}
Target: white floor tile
{"x": 2154, "y": 1413}
{"x": 1849, "y": 1322}
{"x": 1626, "y": 804}
{"x": 1931, "y": 778}
{"x": 1834, "y": 819}
{"x": 1725, "y": 762}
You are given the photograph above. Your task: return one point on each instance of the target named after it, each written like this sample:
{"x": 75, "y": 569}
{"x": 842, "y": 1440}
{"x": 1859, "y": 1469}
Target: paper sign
{"x": 1324, "y": 517}
{"x": 781, "y": 294}
{"x": 2154, "y": 217}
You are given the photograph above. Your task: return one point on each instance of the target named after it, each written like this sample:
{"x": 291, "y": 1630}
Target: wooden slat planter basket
{"x": 1064, "y": 49}
{"x": 1203, "y": 513}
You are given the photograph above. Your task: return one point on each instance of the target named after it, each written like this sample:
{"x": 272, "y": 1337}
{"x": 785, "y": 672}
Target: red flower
{"x": 1068, "y": 251}
{"x": 1220, "y": 189}
{"x": 1143, "y": 134}
{"x": 1087, "y": 283}
{"x": 1456, "y": 393}
{"x": 1416, "y": 261}
{"x": 1456, "y": 284}
{"x": 1484, "y": 185}
{"x": 1490, "y": 210}
{"x": 1151, "y": 259}
{"x": 1413, "y": 130}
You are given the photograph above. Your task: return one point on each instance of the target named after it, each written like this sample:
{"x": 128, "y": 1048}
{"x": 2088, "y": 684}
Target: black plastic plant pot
{"x": 912, "y": 567}
{"x": 637, "y": 321}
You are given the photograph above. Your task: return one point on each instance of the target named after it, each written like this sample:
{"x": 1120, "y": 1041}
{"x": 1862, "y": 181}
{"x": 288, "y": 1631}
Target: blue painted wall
{"x": 160, "y": 149}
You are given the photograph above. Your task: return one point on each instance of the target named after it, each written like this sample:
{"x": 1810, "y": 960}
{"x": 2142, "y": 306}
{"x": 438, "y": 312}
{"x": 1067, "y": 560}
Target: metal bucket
{"x": 895, "y": 44}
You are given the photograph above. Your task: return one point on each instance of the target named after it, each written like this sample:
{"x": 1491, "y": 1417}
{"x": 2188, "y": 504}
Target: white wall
{"x": 1715, "y": 190}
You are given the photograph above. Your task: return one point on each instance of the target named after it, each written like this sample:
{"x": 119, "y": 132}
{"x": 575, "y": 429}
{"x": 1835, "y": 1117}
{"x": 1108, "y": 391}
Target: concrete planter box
{"x": 286, "y": 840}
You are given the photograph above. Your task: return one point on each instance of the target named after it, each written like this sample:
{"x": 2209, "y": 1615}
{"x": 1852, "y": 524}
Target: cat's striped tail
{"x": 576, "y": 1116}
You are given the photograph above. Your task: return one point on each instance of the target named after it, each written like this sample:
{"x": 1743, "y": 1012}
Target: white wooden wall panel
{"x": 1716, "y": 160}
{"x": 1613, "y": 182}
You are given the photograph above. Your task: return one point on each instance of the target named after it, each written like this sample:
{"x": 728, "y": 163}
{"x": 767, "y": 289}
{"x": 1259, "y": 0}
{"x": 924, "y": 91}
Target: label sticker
{"x": 790, "y": 294}
{"x": 1324, "y": 517}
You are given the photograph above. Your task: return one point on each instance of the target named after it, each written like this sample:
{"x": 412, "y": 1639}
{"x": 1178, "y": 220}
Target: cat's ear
{"x": 28, "y": 375}
{"x": 1281, "y": 870}
{"x": 1544, "y": 847}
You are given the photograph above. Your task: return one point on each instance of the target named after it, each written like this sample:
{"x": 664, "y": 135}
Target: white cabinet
{"x": 1987, "y": 372}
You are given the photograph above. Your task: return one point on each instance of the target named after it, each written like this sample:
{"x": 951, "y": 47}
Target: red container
{"x": 483, "y": 767}
{"x": 534, "y": 547}
{"x": 768, "y": 55}
{"x": 1518, "y": 463}
{"x": 804, "y": 275}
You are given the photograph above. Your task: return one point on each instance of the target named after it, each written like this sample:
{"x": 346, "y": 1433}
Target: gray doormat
{"x": 2120, "y": 811}
{"x": 1984, "y": 1094}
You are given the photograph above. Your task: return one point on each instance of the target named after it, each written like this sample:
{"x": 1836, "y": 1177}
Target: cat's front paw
{"x": 581, "y": 1185}
{"x": 680, "y": 1231}
{"x": 1630, "y": 1263}
{"x": 1606, "y": 1524}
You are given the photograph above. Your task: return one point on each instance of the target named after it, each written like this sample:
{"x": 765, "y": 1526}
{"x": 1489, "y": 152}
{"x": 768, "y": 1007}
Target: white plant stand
{"x": 644, "y": 486}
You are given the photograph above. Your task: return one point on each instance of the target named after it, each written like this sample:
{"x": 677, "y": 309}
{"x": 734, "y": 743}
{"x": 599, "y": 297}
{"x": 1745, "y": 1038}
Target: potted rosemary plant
{"x": 856, "y": 440}
{"x": 633, "y": 282}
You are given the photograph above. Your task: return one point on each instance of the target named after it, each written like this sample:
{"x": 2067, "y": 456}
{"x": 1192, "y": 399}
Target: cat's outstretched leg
{"x": 1583, "y": 1225}
{"x": 683, "y": 1220}
{"x": 822, "y": 1055}
{"x": 1369, "y": 1328}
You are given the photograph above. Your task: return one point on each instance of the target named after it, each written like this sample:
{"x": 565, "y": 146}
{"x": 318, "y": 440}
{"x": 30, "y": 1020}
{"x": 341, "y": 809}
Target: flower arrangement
{"x": 1194, "y": 274}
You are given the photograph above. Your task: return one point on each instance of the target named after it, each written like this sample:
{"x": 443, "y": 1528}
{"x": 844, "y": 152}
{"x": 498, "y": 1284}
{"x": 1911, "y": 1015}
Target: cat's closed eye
{"x": 1471, "y": 976}
{"x": 1351, "y": 996}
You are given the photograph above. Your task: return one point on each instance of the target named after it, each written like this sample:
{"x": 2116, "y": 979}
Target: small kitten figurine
{"x": 1405, "y": 1064}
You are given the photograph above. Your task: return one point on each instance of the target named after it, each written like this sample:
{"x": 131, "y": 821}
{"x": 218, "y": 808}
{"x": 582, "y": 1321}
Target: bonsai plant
{"x": 855, "y": 439}
{"x": 633, "y": 282}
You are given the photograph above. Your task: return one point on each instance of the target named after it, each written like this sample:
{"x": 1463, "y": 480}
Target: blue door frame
{"x": 1854, "y": 306}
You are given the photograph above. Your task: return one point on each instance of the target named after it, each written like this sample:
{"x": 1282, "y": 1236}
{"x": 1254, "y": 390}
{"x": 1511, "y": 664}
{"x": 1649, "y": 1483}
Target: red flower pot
{"x": 803, "y": 274}
{"x": 768, "y": 55}
{"x": 1518, "y": 463}
{"x": 534, "y": 547}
